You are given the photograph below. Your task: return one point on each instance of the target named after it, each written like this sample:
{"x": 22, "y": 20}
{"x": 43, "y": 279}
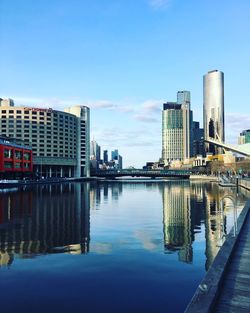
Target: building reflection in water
{"x": 56, "y": 219}
{"x": 177, "y": 220}
{"x": 100, "y": 191}
{"x": 189, "y": 208}
{"x": 218, "y": 202}
{"x": 44, "y": 219}
{"x": 186, "y": 208}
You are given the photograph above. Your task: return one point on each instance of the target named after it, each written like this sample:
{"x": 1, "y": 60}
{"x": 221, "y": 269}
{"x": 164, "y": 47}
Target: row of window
{"x": 19, "y": 117}
{"x": 42, "y": 148}
{"x": 41, "y": 154}
{"x": 8, "y": 164}
{"x": 28, "y": 132}
{"x": 40, "y": 135}
{"x": 25, "y": 112}
{"x": 8, "y": 154}
{"x": 34, "y": 125}
{"x": 40, "y": 113}
{"x": 47, "y": 123}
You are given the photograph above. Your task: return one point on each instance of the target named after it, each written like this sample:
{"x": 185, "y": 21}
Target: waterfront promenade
{"x": 235, "y": 290}
{"x": 226, "y": 286}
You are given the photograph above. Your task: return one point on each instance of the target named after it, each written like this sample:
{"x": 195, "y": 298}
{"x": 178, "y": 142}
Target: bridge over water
{"x": 184, "y": 174}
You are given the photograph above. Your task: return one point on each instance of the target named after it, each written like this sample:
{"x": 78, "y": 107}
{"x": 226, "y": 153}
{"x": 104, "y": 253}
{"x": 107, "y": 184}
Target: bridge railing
{"x": 134, "y": 172}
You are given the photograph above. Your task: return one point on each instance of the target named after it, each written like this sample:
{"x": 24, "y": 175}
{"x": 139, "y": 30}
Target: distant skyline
{"x": 123, "y": 59}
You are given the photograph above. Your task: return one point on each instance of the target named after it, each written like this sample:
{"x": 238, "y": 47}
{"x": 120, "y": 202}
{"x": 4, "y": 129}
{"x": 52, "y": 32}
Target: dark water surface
{"x": 110, "y": 247}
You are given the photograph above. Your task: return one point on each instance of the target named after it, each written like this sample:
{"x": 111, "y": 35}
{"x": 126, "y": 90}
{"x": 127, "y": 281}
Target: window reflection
{"x": 48, "y": 219}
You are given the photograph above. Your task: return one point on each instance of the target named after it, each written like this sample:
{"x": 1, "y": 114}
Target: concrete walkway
{"x": 226, "y": 286}
{"x": 234, "y": 294}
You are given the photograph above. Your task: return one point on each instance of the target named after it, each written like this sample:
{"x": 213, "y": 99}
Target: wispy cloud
{"x": 106, "y": 104}
{"x": 238, "y": 121}
{"x": 149, "y": 111}
{"x": 145, "y": 119}
{"x": 159, "y": 4}
{"x": 235, "y": 123}
{"x": 141, "y": 111}
{"x": 140, "y": 143}
{"x": 102, "y": 104}
{"x": 146, "y": 240}
{"x": 125, "y": 109}
{"x": 152, "y": 106}
{"x": 101, "y": 248}
{"x": 113, "y": 136}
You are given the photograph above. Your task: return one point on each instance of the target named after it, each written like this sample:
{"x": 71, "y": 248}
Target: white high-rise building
{"x": 176, "y": 129}
{"x": 213, "y": 108}
{"x": 82, "y": 139}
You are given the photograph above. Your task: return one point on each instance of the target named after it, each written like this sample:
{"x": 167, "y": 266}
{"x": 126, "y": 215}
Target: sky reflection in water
{"x": 110, "y": 247}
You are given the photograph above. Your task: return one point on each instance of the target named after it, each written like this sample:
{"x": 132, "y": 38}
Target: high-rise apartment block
{"x": 176, "y": 129}
{"x": 59, "y": 140}
{"x": 213, "y": 108}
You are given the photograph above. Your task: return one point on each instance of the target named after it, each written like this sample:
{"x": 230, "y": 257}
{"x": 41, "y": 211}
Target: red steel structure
{"x": 15, "y": 157}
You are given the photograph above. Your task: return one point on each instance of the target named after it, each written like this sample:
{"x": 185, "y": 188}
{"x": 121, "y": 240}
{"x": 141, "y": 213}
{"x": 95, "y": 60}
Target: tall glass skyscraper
{"x": 213, "y": 108}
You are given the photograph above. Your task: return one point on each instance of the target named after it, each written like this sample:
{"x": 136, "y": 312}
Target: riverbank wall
{"x": 204, "y": 178}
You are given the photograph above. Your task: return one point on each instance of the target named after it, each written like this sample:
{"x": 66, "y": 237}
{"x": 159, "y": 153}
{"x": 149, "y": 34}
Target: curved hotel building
{"x": 213, "y": 108}
{"x": 59, "y": 140}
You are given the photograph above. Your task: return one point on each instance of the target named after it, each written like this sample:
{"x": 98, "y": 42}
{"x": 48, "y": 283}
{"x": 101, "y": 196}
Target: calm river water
{"x": 110, "y": 247}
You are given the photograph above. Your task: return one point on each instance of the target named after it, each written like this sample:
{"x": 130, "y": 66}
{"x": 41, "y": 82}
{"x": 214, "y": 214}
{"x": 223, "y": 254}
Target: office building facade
{"x": 59, "y": 140}
{"x": 213, "y": 108}
{"x": 176, "y": 129}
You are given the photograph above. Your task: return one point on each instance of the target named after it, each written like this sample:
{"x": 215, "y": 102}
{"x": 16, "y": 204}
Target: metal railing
{"x": 141, "y": 172}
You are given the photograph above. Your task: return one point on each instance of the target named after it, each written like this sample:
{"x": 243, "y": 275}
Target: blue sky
{"x": 123, "y": 59}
